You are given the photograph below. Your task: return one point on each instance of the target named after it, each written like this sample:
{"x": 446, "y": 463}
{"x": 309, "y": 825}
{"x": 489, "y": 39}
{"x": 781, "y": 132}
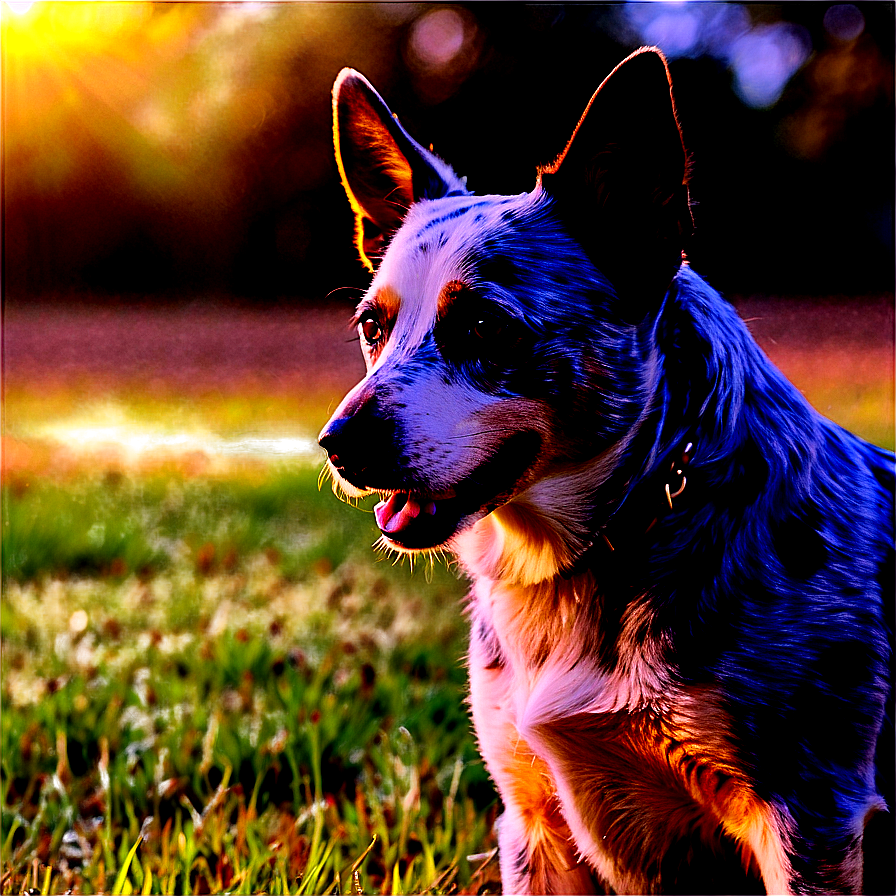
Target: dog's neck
{"x": 549, "y": 532}
{"x": 562, "y": 525}
{"x": 634, "y": 517}
{"x": 591, "y": 515}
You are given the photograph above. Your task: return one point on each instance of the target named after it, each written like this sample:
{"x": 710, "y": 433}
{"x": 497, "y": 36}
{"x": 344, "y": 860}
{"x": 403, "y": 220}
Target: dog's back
{"x": 879, "y": 839}
{"x": 777, "y": 574}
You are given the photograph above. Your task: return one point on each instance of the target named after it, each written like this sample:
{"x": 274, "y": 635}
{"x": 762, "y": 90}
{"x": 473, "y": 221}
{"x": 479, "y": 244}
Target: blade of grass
{"x": 46, "y": 887}
{"x": 17, "y": 822}
{"x": 312, "y": 876}
{"x": 118, "y": 889}
{"x": 409, "y": 876}
{"x": 360, "y": 859}
{"x": 396, "y": 880}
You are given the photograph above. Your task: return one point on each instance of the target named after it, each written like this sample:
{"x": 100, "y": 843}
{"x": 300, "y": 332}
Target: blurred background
{"x": 201, "y": 654}
{"x": 185, "y": 148}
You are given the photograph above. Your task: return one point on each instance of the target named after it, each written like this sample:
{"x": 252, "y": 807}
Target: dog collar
{"x": 676, "y": 475}
{"x": 659, "y": 492}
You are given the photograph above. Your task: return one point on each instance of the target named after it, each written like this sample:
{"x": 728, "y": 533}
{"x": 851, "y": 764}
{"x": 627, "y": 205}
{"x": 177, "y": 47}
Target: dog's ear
{"x": 383, "y": 169}
{"x": 620, "y": 186}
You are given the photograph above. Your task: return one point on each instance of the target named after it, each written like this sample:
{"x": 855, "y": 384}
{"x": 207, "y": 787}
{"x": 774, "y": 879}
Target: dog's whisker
{"x": 388, "y": 200}
{"x": 473, "y": 435}
{"x": 356, "y": 289}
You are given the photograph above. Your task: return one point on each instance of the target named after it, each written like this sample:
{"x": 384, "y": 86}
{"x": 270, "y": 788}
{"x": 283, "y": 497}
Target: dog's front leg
{"x": 536, "y": 849}
{"x": 536, "y": 852}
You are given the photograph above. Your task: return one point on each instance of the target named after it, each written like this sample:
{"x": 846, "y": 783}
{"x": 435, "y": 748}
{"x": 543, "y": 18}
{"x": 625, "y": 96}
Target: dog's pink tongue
{"x": 398, "y": 510}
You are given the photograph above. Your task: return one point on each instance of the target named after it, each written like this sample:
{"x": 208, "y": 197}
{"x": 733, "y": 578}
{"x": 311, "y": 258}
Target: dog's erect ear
{"x": 383, "y": 169}
{"x": 620, "y": 186}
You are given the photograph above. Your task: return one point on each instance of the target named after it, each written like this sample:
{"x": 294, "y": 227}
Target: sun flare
{"x": 44, "y": 28}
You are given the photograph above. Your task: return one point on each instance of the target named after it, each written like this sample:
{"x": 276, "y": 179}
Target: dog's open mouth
{"x": 418, "y": 520}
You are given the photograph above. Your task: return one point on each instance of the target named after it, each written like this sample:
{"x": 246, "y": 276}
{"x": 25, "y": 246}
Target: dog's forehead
{"x": 434, "y": 248}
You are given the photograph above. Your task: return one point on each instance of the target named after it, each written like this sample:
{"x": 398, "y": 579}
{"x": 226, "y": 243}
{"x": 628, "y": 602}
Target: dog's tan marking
{"x": 550, "y": 857}
{"x": 449, "y": 294}
{"x": 531, "y": 549}
{"x": 704, "y": 754}
{"x": 765, "y": 833}
{"x": 632, "y": 784}
{"x": 385, "y": 302}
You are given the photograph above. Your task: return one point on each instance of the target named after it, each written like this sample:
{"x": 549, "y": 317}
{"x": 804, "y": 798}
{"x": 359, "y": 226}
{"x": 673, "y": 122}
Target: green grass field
{"x": 219, "y": 671}
{"x": 210, "y": 682}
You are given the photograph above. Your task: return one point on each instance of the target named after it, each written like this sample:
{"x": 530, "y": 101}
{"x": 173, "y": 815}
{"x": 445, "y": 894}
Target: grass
{"x": 210, "y": 683}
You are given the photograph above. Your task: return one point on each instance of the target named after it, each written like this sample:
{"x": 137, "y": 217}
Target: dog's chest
{"x": 541, "y": 646}
{"x": 540, "y": 696}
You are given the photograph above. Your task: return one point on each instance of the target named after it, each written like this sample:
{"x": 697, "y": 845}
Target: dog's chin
{"x": 419, "y": 520}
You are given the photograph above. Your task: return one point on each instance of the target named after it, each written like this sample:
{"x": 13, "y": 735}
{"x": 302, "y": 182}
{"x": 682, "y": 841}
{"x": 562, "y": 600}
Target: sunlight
{"x": 77, "y": 77}
{"x": 64, "y": 56}
{"x": 42, "y": 28}
{"x": 140, "y": 89}
{"x": 19, "y": 8}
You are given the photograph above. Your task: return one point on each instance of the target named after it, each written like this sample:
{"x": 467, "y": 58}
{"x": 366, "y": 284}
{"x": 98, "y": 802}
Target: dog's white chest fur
{"x": 533, "y": 671}
{"x": 539, "y": 629}
{"x": 601, "y": 766}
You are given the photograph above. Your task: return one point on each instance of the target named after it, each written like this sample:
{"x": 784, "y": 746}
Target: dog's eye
{"x": 476, "y": 332}
{"x": 487, "y": 327}
{"x": 370, "y": 329}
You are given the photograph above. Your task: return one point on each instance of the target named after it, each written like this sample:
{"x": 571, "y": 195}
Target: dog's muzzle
{"x": 364, "y": 448}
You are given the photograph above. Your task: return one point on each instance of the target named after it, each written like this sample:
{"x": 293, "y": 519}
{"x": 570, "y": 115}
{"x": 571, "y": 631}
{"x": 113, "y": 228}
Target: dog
{"x": 681, "y": 616}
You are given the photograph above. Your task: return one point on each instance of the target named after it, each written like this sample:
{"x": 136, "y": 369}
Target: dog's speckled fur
{"x": 682, "y": 694}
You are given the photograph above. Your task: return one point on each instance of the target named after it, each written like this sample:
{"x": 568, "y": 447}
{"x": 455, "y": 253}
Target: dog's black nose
{"x": 331, "y": 438}
{"x": 362, "y": 446}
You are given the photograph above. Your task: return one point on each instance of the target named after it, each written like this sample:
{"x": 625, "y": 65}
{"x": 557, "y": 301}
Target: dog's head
{"x": 507, "y": 338}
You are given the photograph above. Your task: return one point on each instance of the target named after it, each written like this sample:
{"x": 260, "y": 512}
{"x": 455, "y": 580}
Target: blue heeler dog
{"x": 683, "y": 577}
